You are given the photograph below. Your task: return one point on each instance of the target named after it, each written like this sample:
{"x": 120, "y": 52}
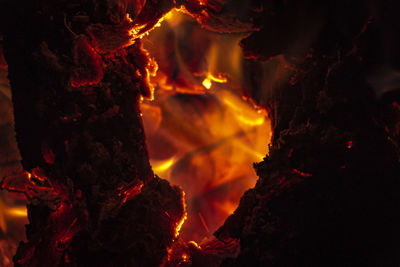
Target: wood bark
{"x": 328, "y": 190}
{"x": 76, "y": 76}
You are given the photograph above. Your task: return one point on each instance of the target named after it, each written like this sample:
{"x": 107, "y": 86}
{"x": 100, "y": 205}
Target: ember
{"x": 199, "y": 133}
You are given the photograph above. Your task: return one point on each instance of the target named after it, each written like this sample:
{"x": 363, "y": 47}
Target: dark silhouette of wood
{"x": 328, "y": 190}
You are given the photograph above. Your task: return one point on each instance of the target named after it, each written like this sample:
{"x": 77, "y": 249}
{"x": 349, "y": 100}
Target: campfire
{"x": 199, "y": 133}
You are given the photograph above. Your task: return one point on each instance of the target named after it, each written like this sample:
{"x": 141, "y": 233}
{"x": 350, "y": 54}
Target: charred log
{"x": 328, "y": 190}
{"x": 93, "y": 198}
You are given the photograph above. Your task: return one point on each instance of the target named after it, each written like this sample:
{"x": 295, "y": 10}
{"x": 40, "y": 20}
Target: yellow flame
{"x": 162, "y": 166}
{"x": 219, "y": 79}
{"x": 207, "y": 83}
{"x": 219, "y": 137}
{"x": 169, "y": 15}
{"x": 10, "y": 212}
{"x": 251, "y": 151}
{"x": 245, "y": 112}
{"x": 17, "y": 211}
{"x": 195, "y": 244}
{"x": 251, "y": 121}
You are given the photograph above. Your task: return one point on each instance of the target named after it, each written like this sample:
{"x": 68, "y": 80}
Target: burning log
{"x": 93, "y": 196}
{"x": 327, "y": 192}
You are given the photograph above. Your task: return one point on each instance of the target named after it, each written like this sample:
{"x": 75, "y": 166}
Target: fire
{"x": 17, "y": 211}
{"x": 207, "y": 82}
{"x": 245, "y": 113}
{"x": 129, "y": 191}
{"x": 160, "y": 167}
{"x": 179, "y": 225}
{"x": 184, "y": 217}
{"x": 13, "y": 217}
{"x": 201, "y": 133}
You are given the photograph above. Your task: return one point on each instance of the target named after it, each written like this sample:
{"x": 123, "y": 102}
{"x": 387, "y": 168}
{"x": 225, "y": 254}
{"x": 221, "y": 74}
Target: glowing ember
{"x": 201, "y": 133}
{"x": 207, "y": 82}
{"x": 349, "y": 144}
{"x": 130, "y": 190}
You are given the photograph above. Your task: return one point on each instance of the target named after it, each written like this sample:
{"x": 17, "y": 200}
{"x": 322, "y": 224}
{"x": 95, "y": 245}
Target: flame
{"x": 17, "y": 211}
{"x": 13, "y": 218}
{"x": 207, "y": 82}
{"x": 138, "y": 31}
{"x": 174, "y": 17}
{"x": 162, "y": 166}
{"x": 244, "y": 112}
{"x": 3, "y": 225}
{"x": 201, "y": 133}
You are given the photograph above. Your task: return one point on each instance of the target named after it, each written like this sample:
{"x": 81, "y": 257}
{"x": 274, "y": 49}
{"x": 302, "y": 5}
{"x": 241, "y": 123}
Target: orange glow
{"x": 244, "y": 112}
{"x": 13, "y": 217}
{"x": 138, "y": 31}
{"x": 162, "y": 166}
{"x": 185, "y": 258}
{"x": 207, "y": 83}
{"x": 174, "y": 17}
{"x": 38, "y": 174}
{"x": 18, "y": 211}
{"x": 228, "y": 207}
{"x": 349, "y": 144}
{"x": 184, "y": 217}
{"x": 219, "y": 79}
{"x": 179, "y": 226}
{"x": 5, "y": 248}
{"x": 129, "y": 191}
{"x": 204, "y": 223}
{"x": 3, "y": 224}
{"x": 201, "y": 133}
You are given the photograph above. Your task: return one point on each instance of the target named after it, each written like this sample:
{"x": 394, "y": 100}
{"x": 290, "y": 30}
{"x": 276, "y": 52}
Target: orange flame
{"x": 201, "y": 133}
{"x": 17, "y": 211}
{"x": 207, "y": 82}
